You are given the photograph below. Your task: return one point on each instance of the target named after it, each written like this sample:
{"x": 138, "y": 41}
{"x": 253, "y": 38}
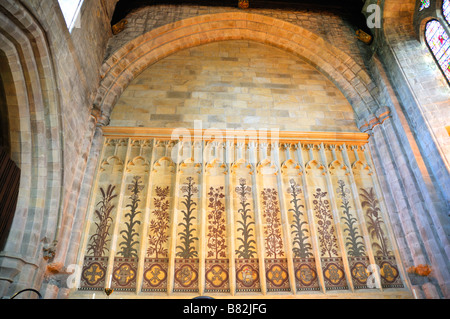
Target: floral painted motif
{"x": 327, "y": 238}
{"x": 187, "y": 248}
{"x": 301, "y": 248}
{"x": 216, "y": 224}
{"x": 354, "y": 239}
{"x": 247, "y": 249}
{"x": 272, "y": 230}
{"x": 127, "y": 245}
{"x": 99, "y": 240}
{"x": 375, "y": 222}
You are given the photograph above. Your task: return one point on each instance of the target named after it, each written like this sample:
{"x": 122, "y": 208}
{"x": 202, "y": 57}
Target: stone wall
{"x": 234, "y": 84}
{"x": 330, "y": 25}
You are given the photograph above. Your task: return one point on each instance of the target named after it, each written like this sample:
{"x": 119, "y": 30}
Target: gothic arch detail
{"x": 126, "y": 63}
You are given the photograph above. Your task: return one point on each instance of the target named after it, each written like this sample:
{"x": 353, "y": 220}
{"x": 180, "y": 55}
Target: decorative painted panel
{"x": 188, "y": 218}
{"x": 104, "y": 207}
{"x": 275, "y": 261}
{"x": 329, "y": 248}
{"x": 125, "y": 267}
{"x": 217, "y": 273}
{"x": 305, "y": 268}
{"x": 341, "y": 181}
{"x": 246, "y": 256}
{"x": 187, "y": 227}
{"x": 156, "y": 263}
{"x": 373, "y": 212}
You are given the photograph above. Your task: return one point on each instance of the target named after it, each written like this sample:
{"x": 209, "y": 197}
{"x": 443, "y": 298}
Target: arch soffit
{"x": 134, "y": 57}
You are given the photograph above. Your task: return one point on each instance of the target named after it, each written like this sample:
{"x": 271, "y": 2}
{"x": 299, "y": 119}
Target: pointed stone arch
{"x": 134, "y": 57}
{"x": 36, "y": 147}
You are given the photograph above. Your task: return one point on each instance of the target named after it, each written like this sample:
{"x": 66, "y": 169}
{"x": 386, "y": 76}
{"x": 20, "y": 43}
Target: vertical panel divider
{"x": 229, "y": 204}
{"x": 253, "y": 159}
{"x": 118, "y": 220}
{"x": 310, "y": 213}
{"x": 146, "y": 219}
{"x": 360, "y": 212}
{"x": 386, "y": 219}
{"x": 284, "y": 216}
{"x": 202, "y": 220}
{"x": 174, "y": 223}
{"x": 336, "y": 217}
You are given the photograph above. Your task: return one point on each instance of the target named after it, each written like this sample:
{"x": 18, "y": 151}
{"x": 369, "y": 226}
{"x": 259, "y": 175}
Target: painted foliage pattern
{"x": 126, "y": 261}
{"x": 156, "y": 262}
{"x": 186, "y": 270}
{"x": 254, "y": 265}
{"x": 332, "y": 265}
{"x": 216, "y": 262}
{"x": 247, "y": 265}
{"x": 158, "y": 228}
{"x": 94, "y": 268}
{"x": 216, "y": 240}
{"x": 354, "y": 243}
{"x": 100, "y": 239}
{"x": 304, "y": 262}
{"x": 384, "y": 256}
{"x": 327, "y": 237}
{"x": 276, "y": 265}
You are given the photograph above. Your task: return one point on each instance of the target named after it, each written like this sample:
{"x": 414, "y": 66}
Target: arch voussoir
{"x": 129, "y": 61}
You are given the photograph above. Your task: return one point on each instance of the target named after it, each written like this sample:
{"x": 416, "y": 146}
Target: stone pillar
{"x": 55, "y": 282}
{"x": 409, "y": 213}
{"x": 9, "y": 268}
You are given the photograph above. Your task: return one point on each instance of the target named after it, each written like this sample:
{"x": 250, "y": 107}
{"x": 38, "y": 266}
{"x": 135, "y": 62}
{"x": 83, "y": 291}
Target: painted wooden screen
{"x": 294, "y": 214}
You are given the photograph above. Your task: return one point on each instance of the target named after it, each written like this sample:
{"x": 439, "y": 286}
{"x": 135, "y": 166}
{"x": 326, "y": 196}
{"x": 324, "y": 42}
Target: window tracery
{"x": 446, "y": 10}
{"x": 424, "y": 4}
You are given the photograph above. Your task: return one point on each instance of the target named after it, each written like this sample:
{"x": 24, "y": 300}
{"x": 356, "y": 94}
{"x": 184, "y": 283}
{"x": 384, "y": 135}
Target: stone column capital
{"x": 371, "y": 121}
{"x": 99, "y": 118}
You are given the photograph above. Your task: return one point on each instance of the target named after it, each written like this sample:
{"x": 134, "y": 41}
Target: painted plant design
{"x": 129, "y": 233}
{"x": 327, "y": 239}
{"x": 300, "y": 248}
{"x": 159, "y": 226}
{"x": 216, "y": 227}
{"x": 354, "y": 239}
{"x": 99, "y": 240}
{"x": 374, "y": 223}
{"x": 272, "y": 230}
{"x": 187, "y": 249}
{"x": 247, "y": 248}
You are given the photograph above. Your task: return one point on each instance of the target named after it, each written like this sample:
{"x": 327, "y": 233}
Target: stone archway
{"x": 129, "y": 61}
{"x": 33, "y": 109}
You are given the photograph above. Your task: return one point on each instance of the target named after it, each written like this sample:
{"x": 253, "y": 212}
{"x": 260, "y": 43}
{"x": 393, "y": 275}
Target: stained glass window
{"x": 424, "y": 4}
{"x": 439, "y": 43}
{"x": 446, "y": 10}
